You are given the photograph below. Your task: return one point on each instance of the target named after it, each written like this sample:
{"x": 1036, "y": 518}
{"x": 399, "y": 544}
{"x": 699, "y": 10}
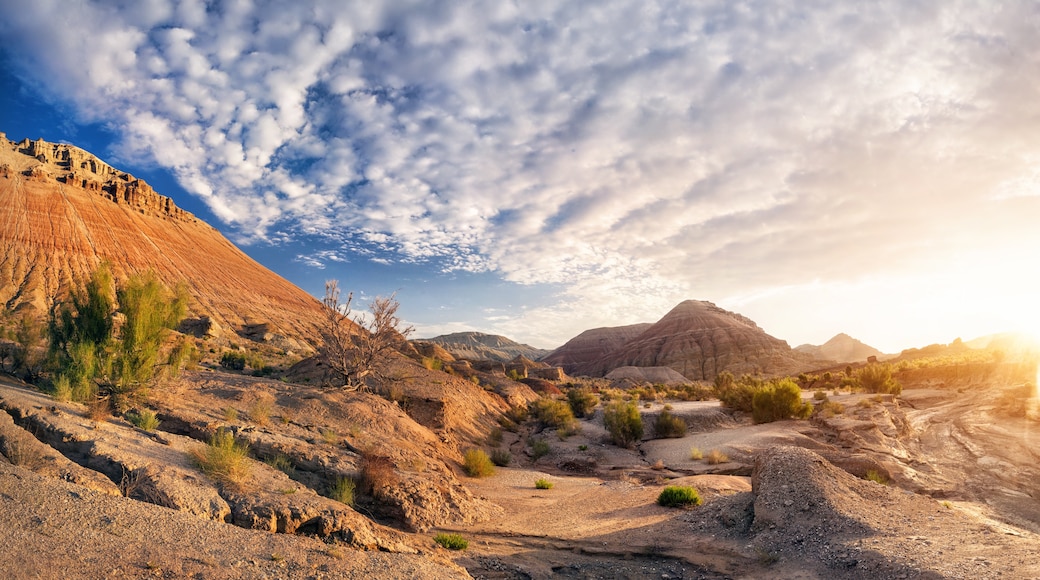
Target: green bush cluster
{"x": 779, "y": 400}
{"x": 476, "y": 463}
{"x": 543, "y": 483}
{"x": 679, "y": 496}
{"x": 223, "y": 459}
{"x": 624, "y": 423}
{"x": 451, "y": 541}
{"x": 669, "y": 425}
{"x": 501, "y": 457}
{"x": 556, "y": 414}
{"x": 582, "y": 401}
{"x": 232, "y": 360}
{"x": 877, "y": 378}
{"x": 143, "y": 419}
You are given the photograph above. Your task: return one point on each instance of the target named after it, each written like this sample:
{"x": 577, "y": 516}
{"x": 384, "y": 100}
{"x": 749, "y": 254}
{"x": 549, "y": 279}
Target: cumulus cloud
{"x": 637, "y": 153}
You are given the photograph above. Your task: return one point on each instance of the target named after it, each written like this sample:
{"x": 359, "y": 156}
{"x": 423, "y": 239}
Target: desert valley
{"x": 269, "y": 434}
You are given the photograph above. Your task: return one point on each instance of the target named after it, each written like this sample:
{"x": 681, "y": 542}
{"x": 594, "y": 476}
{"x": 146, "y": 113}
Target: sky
{"x": 535, "y": 169}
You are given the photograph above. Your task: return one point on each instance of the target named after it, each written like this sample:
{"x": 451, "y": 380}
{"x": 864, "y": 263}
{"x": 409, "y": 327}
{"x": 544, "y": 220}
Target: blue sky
{"x": 536, "y": 169}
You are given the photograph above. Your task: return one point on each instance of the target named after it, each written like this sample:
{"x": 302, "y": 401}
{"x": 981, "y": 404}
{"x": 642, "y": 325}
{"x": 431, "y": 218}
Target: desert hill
{"x": 63, "y": 211}
{"x": 841, "y": 349}
{"x": 582, "y": 351}
{"x": 480, "y": 346}
{"x": 696, "y": 339}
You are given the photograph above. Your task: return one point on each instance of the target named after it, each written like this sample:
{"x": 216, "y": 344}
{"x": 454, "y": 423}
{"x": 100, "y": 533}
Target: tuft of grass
{"x": 876, "y": 476}
{"x": 947, "y": 505}
{"x": 583, "y": 447}
{"x": 668, "y": 425}
{"x": 476, "y": 463}
{"x": 451, "y": 541}
{"x": 144, "y": 419}
{"x": 716, "y": 457}
{"x": 342, "y": 490}
{"x": 282, "y": 463}
{"x": 696, "y": 454}
{"x": 679, "y": 496}
{"x": 495, "y": 437}
{"x": 230, "y": 414}
{"x": 260, "y": 410}
{"x": 329, "y": 436}
{"x": 543, "y": 484}
{"x": 223, "y": 459}
{"x": 501, "y": 457}
{"x": 819, "y": 396}
{"x": 62, "y": 388}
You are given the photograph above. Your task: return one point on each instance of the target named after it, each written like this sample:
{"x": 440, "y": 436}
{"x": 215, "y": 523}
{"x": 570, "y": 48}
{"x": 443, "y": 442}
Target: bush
{"x": 260, "y": 410}
{"x": 376, "y": 474}
{"x": 696, "y": 454}
{"x": 543, "y": 484}
{"x": 877, "y": 378}
{"x": 877, "y": 477}
{"x": 144, "y": 419}
{"x": 737, "y": 395}
{"x": 224, "y": 459}
{"x": 624, "y": 423}
{"x": 342, "y": 490}
{"x": 679, "y": 496}
{"x": 477, "y": 463}
{"x": 234, "y": 361}
{"x": 716, "y": 457}
{"x": 451, "y": 541}
{"x": 668, "y": 425}
{"x": 780, "y": 400}
{"x": 819, "y": 396}
{"x": 582, "y": 401}
{"x": 555, "y": 414}
{"x": 539, "y": 448}
{"x": 501, "y": 457}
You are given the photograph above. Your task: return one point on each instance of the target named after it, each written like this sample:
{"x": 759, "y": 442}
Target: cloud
{"x": 638, "y": 153}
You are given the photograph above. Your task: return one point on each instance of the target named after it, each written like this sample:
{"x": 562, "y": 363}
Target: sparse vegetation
{"x": 668, "y": 425}
{"x": 501, "y": 457}
{"x": 376, "y": 474}
{"x": 143, "y": 419}
{"x": 233, "y": 360}
{"x": 716, "y": 457}
{"x": 476, "y": 463}
{"x": 282, "y": 463}
{"x": 555, "y": 414}
{"x": 260, "y": 410}
{"x": 451, "y": 541}
{"x": 357, "y": 350}
{"x": 543, "y": 483}
{"x": 624, "y": 423}
{"x": 679, "y": 496}
{"x": 696, "y": 454}
{"x": 539, "y": 449}
{"x": 230, "y": 414}
{"x": 779, "y": 400}
{"x": 877, "y": 378}
{"x": 876, "y": 476}
{"x": 223, "y": 459}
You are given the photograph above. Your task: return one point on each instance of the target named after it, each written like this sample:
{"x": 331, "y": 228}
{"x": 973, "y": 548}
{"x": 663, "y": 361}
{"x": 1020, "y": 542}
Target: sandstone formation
{"x": 63, "y": 211}
{"x": 480, "y": 346}
{"x": 697, "y": 339}
{"x": 840, "y": 349}
{"x": 584, "y": 350}
{"x": 655, "y": 375}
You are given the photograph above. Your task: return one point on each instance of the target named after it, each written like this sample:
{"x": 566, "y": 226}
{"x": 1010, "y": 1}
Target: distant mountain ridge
{"x": 842, "y": 348}
{"x": 63, "y": 211}
{"x": 696, "y": 338}
{"x": 480, "y": 346}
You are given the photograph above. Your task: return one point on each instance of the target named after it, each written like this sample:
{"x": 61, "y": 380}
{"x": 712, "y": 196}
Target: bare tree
{"x": 358, "y": 349}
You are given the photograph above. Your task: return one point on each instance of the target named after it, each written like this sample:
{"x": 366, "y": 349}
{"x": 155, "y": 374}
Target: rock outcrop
{"x": 63, "y": 211}
{"x": 480, "y": 346}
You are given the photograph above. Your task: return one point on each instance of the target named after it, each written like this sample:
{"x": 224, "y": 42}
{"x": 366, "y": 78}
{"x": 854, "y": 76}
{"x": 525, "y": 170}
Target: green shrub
{"x": 342, "y": 490}
{"x": 144, "y": 419}
{"x": 696, "y": 454}
{"x": 517, "y": 414}
{"x": 669, "y": 425}
{"x": 679, "y": 496}
{"x": 779, "y": 400}
{"x": 737, "y": 394}
{"x": 223, "y": 459}
{"x": 624, "y": 422}
{"x": 501, "y": 457}
{"x": 555, "y": 414}
{"x": 476, "y": 463}
{"x": 543, "y": 484}
{"x": 539, "y": 448}
{"x": 582, "y": 401}
{"x": 234, "y": 361}
{"x": 282, "y": 463}
{"x": 451, "y": 541}
{"x": 876, "y": 476}
{"x": 877, "y": 378}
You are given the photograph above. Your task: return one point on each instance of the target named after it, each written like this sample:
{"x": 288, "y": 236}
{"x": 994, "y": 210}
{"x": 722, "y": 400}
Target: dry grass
{"x": 260, "y": 410}
{"x": 377, "y": 474}
{"x": 223, "y": 459}
{"x": 696, "y": 454}
{"x": 716, "y": 457}
{"x": 22, "y": 449}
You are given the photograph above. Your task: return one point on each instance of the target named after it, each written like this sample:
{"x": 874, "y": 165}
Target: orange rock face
{"x": 63, "y": 211}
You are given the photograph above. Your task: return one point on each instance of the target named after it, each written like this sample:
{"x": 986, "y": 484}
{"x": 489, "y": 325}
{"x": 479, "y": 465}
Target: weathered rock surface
{"x": 581, "y": 353}
{"x": 63, "y": 211}
{"x": 655, "y": 375}
{"x": 480, "y": 346}
{"x": 840, "y": 349}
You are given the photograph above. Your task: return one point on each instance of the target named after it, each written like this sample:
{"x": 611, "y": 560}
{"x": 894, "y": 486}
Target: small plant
{"x": 495, "y": 437}
{"x": 696, "y": 454}
{"x": 342, "y": 490}
{"x": 289, "y": 491}
{"x": 716, "y": 457}
{"x": 329, "y": 436}
{"x": 476, "y": 463}
{"x": 99, "y": 410}
{"x": 20, "y": 448}
{"x": 583, "y": 447}
{"x": 876, "y": 476}
{"x": 234, "y": 361}
{"x": 277, "y": 557}
{"x": 658, "y": 465}
{"x": 582, "y": 401}
{"x": 539, "y": 449}
{"x": 501, "y": 457}
{"x": 451, "y": 541}
{"x": 230, "y": 414}
{"x": 223, "y": 458}
{"x": 624, "y": 423}
{"x": 669, "y": 425}
{"x": 947, "y": 505}
{"x": 282, "y": 463}
{"x": 543, "y": 484}
{"x": 377, "y": 474}
{"x": 144, "y": 419}
{"x": 260, "y": 410}
{"x": 819, "y": 396}
{"x": 679, "y": 496}
{"x": 62, "y": 388}
{"x": 553, "y": 413}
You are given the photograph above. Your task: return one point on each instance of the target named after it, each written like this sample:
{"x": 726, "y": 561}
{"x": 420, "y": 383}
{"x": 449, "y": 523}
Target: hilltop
{"x": 480, "y": 346}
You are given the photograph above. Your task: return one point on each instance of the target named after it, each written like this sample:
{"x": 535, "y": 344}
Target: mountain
{"x": 841, "y": 349}
{"x": 63, "y": 211}
{"x": 580, "y": 353}
{"x": 480, "y": 346}
{"x": 697, "y": 339}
